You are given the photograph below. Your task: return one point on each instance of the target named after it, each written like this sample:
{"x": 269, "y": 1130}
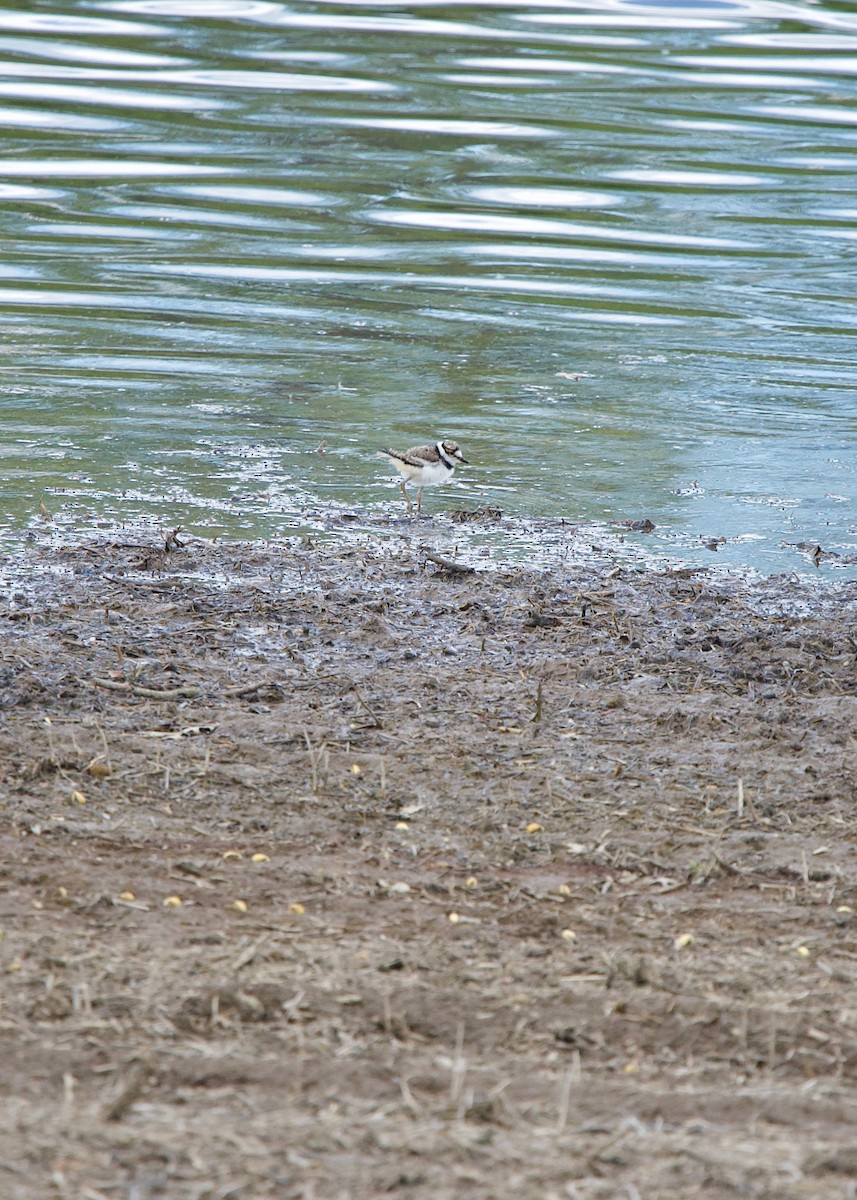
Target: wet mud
{"x": 334, "y": 870}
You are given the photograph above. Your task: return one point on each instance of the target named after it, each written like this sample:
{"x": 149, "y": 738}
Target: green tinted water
{"x": 610, "y": 248}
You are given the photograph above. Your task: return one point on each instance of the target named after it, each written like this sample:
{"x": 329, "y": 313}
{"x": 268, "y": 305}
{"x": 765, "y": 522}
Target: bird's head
{"x": 453, "y": 450}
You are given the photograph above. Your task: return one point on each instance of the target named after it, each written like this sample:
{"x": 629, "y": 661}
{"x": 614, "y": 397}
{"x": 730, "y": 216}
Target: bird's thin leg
{"x": 419, "y": 499}
{"x": 405, "y": 494}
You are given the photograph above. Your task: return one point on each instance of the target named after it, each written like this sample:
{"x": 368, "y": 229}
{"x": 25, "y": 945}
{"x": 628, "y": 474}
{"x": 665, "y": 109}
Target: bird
{"x": 426, "y": 466}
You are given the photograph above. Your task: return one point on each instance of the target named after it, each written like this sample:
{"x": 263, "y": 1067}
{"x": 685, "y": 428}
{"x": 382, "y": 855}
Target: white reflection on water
{"x": 679, "y": 19}
{"x": 827, "y": 64}
{"x": 669, "y": 177}
{"x": 246, "y": 194}
{"x": 107, "y": 97}
{"x": 181, "y": 216}
{"x": 58, "y": 122}
{"x": 23, "y": 191}
{"x": 273, "y": 80}
{"x": 500, "y": 222}
{"x": 449, "y": 127}
{"x": 66, "y": 51}
{"x": 231, "y": 10}
{"x": 792, "y": 41}
{"x": 95, "y": 230}
{"x": 81, "y": 168}
{"x": 828, "y": 114}
{"x": 79, "y": 26}
{"x": 536, "y": 253}
{"x": 545, "y": 197}
{"x": 543, "y": 65}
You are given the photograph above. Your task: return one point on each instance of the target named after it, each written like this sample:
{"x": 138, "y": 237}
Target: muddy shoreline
{"x": 334, "y": 870}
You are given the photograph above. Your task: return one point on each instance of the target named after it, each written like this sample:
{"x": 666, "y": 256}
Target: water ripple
{"x": 544, "y": 197}
{"x": 541, "y": 226}
{"x": 821, "y": 65}
{"x": 22, "y": 191}
{"x": 247, "y": 194}
{"x": 231, "y": 10}
{"x": 664, "y": 177}
{"x": 73, "y": 23}
{"x": 447, "y": 127}
{"x": 107, "y": 97}
{"x": 272, "y": 81}
{"x": 544, "y": 66}
{"x": 57, "y": 121}
{"x": 814, "y": 113}
{"x": 680, "y": 19}
{"x": 54, "y": 49}
{"x": 81, "y": 168}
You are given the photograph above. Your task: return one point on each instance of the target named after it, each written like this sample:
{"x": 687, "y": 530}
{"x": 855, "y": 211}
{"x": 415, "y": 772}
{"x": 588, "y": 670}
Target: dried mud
{"x": 330, "y": 872}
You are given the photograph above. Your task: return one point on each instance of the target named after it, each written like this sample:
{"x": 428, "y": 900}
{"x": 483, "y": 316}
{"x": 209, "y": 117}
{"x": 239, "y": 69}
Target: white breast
{"x": 434, "y": 473}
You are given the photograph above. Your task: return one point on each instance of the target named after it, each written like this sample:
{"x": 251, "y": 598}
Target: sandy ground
{"x": 332, "y": 873}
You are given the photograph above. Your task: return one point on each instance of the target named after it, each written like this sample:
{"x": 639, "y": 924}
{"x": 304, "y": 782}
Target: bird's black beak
{"x": 462, "y": 459}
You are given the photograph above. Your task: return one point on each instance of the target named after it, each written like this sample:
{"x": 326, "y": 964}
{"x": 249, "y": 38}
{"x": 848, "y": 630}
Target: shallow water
{"x": 608, "y": 247}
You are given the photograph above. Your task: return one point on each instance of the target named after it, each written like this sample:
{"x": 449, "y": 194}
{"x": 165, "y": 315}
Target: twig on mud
{"x": 408, "y": 1097}
{"x": 728, "y": 868}
{"x": 448, "y": 564}
{"x": 171, "y": 540}
{"x": 592, "y": 1161}
{"x": 103, "y": 737}
{"x": 376, "y": 720}
{"x": 388, "y": 1014}
{"x": 53, "y": 758}
{"x": 19, "y": 659}
{"x": 458, "y": 1070}
{"x": 200, "y": 775}
{"x": 249, "y": 953}
{"x": 21, "y": 614}
{"x": 570, "y": 1077}
{"x": 132, "y": 1090}
{"x": 469, "y": 1144}
{"x": 537, "y": 715}
{"x": 318, "y": 758}
{"x": 52, "y": 753}
{"x": 246, "y": 689}
{"x": 135, "y": 689}
{"x": 150, "y": 584}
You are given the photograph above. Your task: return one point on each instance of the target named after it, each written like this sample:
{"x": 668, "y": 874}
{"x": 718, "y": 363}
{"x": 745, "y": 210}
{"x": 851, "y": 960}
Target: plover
{"x": 426, "y": 466}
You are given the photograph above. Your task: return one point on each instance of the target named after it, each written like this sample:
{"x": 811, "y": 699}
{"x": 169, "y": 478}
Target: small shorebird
{"x": 426, "y": 466}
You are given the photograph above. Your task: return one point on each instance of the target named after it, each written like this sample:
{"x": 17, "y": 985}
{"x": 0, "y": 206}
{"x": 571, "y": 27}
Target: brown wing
{"x": 422, "y": 454}
{"x": 417, "y": 456}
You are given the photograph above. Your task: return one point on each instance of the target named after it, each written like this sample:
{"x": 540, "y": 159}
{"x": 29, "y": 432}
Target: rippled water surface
{"x": 609, "y": 247}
